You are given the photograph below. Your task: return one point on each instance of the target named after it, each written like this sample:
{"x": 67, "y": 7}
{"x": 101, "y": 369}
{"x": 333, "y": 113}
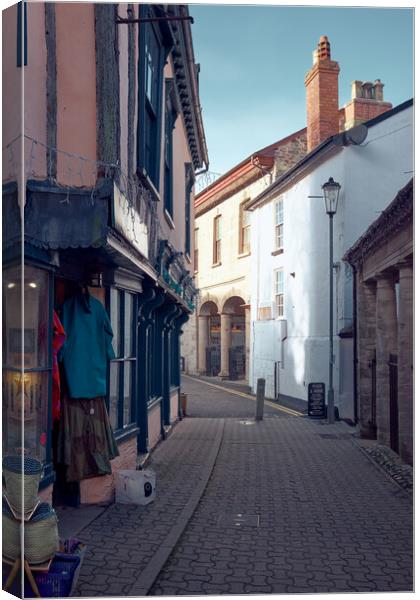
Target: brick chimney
{"x": 367, "y": 102}
{"x": 322, "y": 95}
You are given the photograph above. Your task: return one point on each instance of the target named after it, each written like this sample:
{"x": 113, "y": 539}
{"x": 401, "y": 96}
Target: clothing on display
{"x": 59, "y": 336}
{"x": 88, "y": 346}
{"x": 86, "y": 443}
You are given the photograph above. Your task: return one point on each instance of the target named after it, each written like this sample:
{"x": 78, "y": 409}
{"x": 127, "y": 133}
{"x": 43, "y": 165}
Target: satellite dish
{"x": 356, "y": 135}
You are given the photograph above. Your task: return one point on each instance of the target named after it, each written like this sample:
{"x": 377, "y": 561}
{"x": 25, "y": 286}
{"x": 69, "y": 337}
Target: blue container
{"x": 58, "y": 581}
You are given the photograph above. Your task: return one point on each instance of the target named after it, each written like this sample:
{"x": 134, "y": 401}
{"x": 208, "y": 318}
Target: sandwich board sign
{"x": 316, "y": 400}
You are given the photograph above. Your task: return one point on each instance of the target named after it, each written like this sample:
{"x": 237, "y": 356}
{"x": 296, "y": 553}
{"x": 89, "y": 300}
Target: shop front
{"x": 91, "y": 365}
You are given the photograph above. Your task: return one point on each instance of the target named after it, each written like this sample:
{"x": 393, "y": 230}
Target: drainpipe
{"x": 355, "y": 355}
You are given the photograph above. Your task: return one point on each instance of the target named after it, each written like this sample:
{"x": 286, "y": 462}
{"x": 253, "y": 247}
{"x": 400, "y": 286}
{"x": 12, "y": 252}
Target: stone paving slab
{"x": 127, "y": 544}
{"x": 329, "y": 521}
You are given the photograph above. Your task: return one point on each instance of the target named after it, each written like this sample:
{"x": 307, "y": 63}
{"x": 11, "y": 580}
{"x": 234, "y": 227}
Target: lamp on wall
{"x": 331, "y": 190}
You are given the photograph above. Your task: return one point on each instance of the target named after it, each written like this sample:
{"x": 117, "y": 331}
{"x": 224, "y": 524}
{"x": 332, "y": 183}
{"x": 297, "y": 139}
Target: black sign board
{"x": 316, "y": 400}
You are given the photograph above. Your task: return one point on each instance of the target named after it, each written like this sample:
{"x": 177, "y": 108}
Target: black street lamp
{"x": 331, "y": 191}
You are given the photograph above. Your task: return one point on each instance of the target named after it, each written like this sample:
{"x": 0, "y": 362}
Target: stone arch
{"x": 209, "y": 298}
{"x": 234, "y": 305}
{"x": 208, "y": 308}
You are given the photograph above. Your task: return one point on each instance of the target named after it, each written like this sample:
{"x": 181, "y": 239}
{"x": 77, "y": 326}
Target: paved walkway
{"x": 286, "y": 505}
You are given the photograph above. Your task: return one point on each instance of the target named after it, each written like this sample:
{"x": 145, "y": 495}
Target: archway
{"x": 233, "y": 339}
{"x": 209, "y": 339}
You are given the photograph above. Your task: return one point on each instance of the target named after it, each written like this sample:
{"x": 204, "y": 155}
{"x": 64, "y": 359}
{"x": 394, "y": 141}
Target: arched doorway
{"x": 209, "y": 339}
{"x": 233, "y": 352}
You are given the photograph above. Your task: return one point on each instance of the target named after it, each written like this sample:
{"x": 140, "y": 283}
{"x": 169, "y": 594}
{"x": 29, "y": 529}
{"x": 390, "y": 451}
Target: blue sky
{"x": 254, "y": 60}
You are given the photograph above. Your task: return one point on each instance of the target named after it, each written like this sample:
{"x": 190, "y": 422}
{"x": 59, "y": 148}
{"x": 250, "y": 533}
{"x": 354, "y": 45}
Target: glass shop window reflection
{"x": 25, "y": 394}
{"x": 122, "y": 367}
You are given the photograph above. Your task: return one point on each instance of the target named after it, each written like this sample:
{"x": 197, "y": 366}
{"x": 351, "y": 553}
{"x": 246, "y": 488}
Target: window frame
{"x": 121, "y": 358}
{"x": 279, "y": 293}
{"x": 171, "y": 114}
{"x": 189, "y": 183}
{"x": 279, "y": 225}
{"x": 149, "y": 131}
{"x": 196, "y": 249}
{"x": 217, "y": 240}
{"x": 242, "y": 250}
{"x": 48, "y": 472}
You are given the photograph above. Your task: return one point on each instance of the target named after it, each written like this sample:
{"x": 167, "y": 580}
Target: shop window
{"x": 122, "y": 368}
{"x": 26, "y": 392}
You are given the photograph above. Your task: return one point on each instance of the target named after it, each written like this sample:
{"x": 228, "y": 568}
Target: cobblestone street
{"x": 286, "y": 505}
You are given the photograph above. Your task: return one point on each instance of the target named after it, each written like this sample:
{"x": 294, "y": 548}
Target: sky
{"x": 254, "y": 60}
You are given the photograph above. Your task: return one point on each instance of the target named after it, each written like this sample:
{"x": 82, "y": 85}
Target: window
{"x": 170, "y": 118}
{"x": 122, "y": 368}
{"x": 37, "y": 358}
{"x": 189, "y": 182}
{"x": 217, "y": 240}
{"x": 244, "y": 230}
{"x": 196, "y": 250}
{"x": 22, "y": 44}
{"x": 278, "y": 208}
{"x": 151, "y": 62}
{"x": 279, "y": 292}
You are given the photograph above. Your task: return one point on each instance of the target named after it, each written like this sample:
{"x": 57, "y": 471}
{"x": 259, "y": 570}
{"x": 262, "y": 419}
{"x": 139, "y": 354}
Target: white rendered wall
{"x": 370, "y": 176}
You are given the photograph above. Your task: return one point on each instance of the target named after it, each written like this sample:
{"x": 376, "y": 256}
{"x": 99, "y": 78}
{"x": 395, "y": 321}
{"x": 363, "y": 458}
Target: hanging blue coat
{"x": 88, "y": 346}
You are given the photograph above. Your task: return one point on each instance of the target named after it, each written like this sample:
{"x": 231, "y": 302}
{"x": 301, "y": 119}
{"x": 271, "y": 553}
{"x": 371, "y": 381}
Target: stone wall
{"x": 289, "y": 154}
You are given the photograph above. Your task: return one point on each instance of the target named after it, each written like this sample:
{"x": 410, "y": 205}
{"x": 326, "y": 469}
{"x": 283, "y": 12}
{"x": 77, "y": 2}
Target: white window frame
{"x": 279, "y": 224}
{"x": 279, "y": 293}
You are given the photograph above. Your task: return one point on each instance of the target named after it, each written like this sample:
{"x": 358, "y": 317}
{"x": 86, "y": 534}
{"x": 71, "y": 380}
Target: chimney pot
{"x": 378, "y": 90}
{"x": 324, "y": 48}
{"x": 367, "y": 87}
{"x": 356, "y": 89}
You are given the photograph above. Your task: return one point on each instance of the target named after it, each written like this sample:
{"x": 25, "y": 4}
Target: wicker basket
{"x": 40, "y": 535}
{"x": 32, "y": 472}
{"x": 10, "y": 534}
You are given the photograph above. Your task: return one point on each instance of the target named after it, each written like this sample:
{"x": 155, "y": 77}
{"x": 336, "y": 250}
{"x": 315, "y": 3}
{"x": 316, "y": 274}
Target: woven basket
{"x": 10, "y": 534}
{"x": 32, "y": 472}
{"x": 40, "y": 535}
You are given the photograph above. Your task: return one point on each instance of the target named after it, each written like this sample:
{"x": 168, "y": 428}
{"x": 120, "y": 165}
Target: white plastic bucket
{"x": 135, "y": 487}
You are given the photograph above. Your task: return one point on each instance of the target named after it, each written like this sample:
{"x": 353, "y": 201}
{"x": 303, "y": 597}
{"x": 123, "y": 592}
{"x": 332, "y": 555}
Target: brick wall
{"x": 102, "y": 489}
{"x": 322, "y": 102}
{"x": 362, "y": 109}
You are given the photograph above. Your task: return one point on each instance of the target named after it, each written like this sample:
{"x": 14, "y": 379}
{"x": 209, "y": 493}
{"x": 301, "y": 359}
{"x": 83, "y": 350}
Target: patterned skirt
{"x": 86, "y": 442}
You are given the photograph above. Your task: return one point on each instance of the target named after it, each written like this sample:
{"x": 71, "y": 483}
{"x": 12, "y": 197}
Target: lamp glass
{"x": 331, "y": 191}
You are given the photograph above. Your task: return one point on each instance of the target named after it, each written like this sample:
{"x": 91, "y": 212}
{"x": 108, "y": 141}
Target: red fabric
{"x": 59, "y": 336}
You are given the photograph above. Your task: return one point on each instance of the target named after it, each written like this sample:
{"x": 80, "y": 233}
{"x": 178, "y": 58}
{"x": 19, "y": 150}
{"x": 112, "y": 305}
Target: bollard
{"x": 259, "y": 412}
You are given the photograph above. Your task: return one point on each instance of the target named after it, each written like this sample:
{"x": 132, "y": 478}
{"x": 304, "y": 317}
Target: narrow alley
{"x": 285, "y": 505}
